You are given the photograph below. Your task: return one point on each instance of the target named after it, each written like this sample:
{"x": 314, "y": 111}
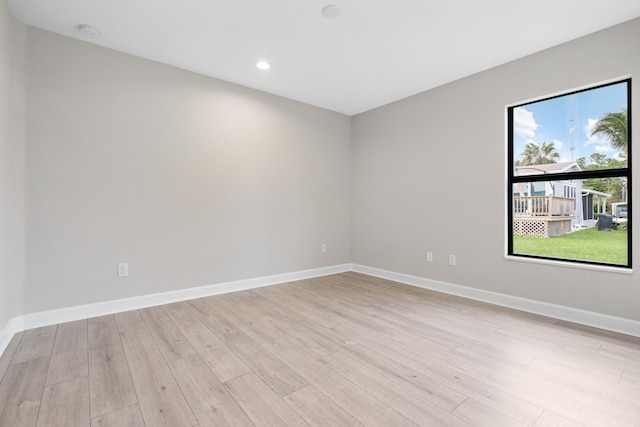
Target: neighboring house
{"x": 551, "y": 208}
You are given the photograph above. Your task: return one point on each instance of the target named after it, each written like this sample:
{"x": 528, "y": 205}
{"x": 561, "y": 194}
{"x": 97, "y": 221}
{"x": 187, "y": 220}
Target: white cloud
{"x": 600, "y": 144}
{"x": 524, "y": 124}
{"x": 557, "y": 144}
{"x": 595, "y": 139}
{"x": 604, "y": 148}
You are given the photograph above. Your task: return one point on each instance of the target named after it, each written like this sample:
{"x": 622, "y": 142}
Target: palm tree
{"x": 613, "y": 127}
{"x": 539, "y": 154}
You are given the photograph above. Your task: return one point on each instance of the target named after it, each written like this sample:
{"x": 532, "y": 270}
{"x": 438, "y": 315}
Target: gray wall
{"x": 191, "y": 180}
{"x": 12, "y": 146}
{"x": 195, "y": 181}
{"x": 429, "y": 174}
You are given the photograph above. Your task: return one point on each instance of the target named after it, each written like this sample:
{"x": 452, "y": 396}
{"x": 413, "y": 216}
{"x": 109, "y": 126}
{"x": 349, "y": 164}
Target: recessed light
{"x": 263, "y": 65}
{"x": 331, "y": 11}
{"x": 89, "y": 31}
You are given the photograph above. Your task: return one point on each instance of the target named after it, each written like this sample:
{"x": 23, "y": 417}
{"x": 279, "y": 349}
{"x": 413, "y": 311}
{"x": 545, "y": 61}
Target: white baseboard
{"x": 53, "y": 317}
{"x": 14, "y": 326}
{"x": 584, "y": 317}
{"x": 575, "y": 315}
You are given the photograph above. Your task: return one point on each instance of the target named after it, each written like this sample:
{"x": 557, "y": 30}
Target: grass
{"x": 587, "y": 245}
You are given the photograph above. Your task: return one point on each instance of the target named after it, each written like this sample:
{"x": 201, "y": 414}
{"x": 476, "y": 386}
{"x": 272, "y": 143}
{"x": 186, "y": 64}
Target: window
{"x": 569, "y": 191}
{"x": 569, "y": 177}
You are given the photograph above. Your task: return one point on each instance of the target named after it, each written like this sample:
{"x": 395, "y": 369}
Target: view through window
{"x": 569, "y": 177}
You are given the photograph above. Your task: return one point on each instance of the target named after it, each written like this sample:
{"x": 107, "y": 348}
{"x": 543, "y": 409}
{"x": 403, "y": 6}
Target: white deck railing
{"x": 543, "y": 206}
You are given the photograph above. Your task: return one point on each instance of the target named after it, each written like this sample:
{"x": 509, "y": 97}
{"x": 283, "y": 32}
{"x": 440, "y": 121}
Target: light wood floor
{"x": 341, "y": 350}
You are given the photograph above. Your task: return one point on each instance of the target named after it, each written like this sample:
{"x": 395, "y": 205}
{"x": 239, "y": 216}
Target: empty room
{"x": 354, "y": 213}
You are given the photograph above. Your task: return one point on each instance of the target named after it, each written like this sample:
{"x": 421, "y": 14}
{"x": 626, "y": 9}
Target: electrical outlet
{"x": 452, "y": 260}
{"x": 323, "y": 248}
{"x": 429, "y": 256}
{"x": 123, "y": 269}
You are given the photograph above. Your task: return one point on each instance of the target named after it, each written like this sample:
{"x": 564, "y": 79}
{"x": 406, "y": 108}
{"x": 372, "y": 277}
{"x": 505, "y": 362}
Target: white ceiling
{"x": 375, "y": 52}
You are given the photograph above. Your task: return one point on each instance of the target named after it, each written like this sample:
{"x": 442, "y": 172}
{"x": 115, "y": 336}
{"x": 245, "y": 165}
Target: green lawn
{"x": 587, "y": 245}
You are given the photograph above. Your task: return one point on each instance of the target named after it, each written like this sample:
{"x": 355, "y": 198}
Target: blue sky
{"x": 552, "y": 120}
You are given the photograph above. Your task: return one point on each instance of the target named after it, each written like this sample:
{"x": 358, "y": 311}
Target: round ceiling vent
{"x": 331, "y": 11}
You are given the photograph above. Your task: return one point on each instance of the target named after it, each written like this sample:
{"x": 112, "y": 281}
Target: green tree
{"x": 599, "y": 161}
{"x": 614, "y": 186}
{"x": 539, "y": 154}
{"x": 613, "y": 127}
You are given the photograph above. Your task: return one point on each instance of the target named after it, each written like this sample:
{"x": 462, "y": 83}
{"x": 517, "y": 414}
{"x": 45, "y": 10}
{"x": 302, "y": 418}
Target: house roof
{"x": 547, "y": 168}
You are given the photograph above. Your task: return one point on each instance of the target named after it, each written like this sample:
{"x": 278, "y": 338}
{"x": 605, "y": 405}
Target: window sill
{"x": 605, "y": 268}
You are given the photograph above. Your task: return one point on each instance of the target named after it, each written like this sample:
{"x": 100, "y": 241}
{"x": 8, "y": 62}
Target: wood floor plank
{"x": 537, "y": 389}
{"x": 224, "y": 363}
{"x": 589, "y": 409}
{"x": 596, "y": 391}
{"x": 580, "y": 372}
{"x": 310, "y": 311}
{"x": 407, "y": 403}
{"x": 190, "y": 324}
{"x": 70, "y": 357}
{"x": 427, "y": 302}
{"x": 111, "y": 387}
{"x": 206, "y": 395}
{"x": 65, "y": 404}
{"x": 435, "y": 391}
{"x": 125, "y": 417}
{"x": 549, "y": 419}
{"x": 558, "y": 334}
{"x": 618, "y": 346}
{"x": 284, "y": 322}
{"x": 619, "y": 400}
{"x": 318, "y": 410}
{"x": 631, "y": 379}
{"x": 484, "y": 350}
{"x": 265, "y": 307}
{"x": 356, "y": 401}
{"x": 353, "y": 313}
{"x": 417, "y": 344}
{"x": 627, "y": 362}
{"x": 171, "y": 342}
{"x": 481, "y": 415}
{"x": 262, "y": 405}
{"x": 5, "y": 358}
{"x": 245, "y": 319}
{"x": 129, "y": 320}
{"x": 314, "y": 340}
{"x": 280, "y": 377}
{"x": 343, "y": 349}
{"x": 200, "y": 308}
{"x": 160, "y": 399}
{"x": 451, "y": 376}
{"x": 35, "y": 343}
{"x": 21, "y": 392}
{"x": 535, "y": 344}
{"x": 597, "y": 397}
{"x": 414, "y": 326}
{"x": 573, "y": 407}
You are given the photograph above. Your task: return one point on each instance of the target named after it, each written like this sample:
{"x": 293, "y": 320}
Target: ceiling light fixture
{"x": 88, "y": 31}
{"x": 331, "y": 11}
{"x": 263, "y": 65}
